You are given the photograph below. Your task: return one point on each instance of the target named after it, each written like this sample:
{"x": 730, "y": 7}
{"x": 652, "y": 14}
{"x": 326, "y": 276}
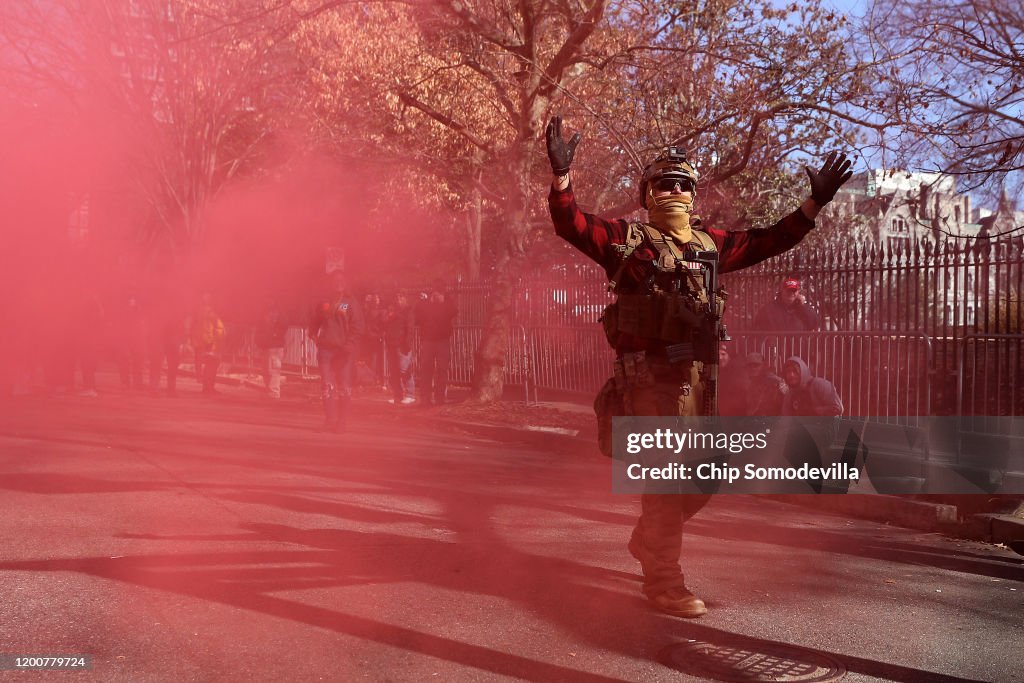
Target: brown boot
{"x": 680, "y": 602}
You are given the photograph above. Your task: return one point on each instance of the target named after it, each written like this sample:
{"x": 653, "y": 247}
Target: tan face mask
{"x": 670, "y": 214}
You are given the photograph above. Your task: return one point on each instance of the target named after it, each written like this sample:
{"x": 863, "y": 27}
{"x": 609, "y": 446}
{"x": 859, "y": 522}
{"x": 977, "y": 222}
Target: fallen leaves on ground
{"x": 519, "y": 414}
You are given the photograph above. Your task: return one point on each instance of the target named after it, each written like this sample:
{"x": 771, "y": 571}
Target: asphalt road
{"x": 225, "y": 539}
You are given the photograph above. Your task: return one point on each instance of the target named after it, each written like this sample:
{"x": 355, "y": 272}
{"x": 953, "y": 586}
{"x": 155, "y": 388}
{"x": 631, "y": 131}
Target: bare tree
{"x": 181, "y": 94}
{"x": 950, "y": 87}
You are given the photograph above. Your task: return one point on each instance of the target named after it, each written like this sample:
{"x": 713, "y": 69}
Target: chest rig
{"x": 665, "y": 308}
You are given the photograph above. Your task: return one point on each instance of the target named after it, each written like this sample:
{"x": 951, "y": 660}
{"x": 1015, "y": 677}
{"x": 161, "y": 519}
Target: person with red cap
{"x": 788, "y": 312}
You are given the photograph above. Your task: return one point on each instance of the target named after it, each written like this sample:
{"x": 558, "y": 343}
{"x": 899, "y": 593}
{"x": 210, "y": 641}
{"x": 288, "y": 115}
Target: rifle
{"x": 711, "y": 330}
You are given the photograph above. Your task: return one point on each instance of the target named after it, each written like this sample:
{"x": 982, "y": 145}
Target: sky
{"x": 847, "y": 7}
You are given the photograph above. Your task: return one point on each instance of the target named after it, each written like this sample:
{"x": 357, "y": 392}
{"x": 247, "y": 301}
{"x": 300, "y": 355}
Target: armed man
{"x": 664, "y": 324}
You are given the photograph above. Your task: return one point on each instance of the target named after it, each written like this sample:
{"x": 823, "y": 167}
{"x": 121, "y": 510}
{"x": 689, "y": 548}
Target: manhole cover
{"x": 741, "y": 664}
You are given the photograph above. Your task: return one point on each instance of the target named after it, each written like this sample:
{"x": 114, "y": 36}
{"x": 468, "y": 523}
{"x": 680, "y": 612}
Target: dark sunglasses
{"x": 668, "y": 183}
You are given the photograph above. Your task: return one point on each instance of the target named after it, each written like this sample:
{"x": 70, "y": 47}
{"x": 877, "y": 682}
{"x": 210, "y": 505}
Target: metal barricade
{"x": 299, "y": 350}
{"x": 464, "y": 342}
{"x": 569, "y": 358}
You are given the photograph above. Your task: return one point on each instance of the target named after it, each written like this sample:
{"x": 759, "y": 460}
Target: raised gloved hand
{"x": 829, "y": 178}
{"x": 560, "y": 152}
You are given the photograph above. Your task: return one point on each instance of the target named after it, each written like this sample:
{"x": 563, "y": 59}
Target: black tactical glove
{"x": 829, "y": 178}
{"x": 560, "y": 152}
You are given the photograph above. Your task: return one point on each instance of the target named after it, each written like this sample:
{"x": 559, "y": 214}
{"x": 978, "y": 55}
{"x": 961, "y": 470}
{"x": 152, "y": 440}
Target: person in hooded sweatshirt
{"x": 808, "y": 395}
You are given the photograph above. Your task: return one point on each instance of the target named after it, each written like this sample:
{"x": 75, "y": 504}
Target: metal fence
{"x": 942, "y": 290}
{"x": 910, "y": 328}
{"x": 299, "y": 350}
{"x": 573, "y": 359}
{"x": 877, "y": 372}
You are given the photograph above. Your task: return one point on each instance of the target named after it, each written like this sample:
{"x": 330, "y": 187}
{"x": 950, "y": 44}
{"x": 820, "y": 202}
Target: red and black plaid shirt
{"x": 597, "y": 237}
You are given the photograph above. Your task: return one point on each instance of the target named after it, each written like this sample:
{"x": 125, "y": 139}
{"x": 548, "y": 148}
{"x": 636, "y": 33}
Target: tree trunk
{"x": 489, "y": 360}
{"x": 474, "y": 219}
{"x": 489, "y": 365}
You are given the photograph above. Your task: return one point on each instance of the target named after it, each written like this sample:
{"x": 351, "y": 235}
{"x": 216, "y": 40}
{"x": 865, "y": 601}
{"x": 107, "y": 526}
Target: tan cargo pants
{"x": 657, "y": 538}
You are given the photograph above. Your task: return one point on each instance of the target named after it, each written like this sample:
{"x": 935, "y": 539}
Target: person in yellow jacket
{"x": 208, "y": 342}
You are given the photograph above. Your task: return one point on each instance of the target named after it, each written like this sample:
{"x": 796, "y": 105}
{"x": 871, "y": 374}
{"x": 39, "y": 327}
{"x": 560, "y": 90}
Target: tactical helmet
{"x": 671, "y": 164}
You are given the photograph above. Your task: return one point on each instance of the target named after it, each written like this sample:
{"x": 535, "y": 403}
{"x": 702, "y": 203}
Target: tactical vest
{"x": 667, "y": 307}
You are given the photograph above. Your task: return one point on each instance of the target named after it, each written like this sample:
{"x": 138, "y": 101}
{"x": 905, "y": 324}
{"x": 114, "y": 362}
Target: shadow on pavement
{"x": 464, "y": 497}
{"x": 859, "y": 665}
{"x": 853, "y": 543}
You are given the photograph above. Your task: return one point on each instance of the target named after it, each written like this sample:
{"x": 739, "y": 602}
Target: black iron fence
{"x": 944, "y": 291}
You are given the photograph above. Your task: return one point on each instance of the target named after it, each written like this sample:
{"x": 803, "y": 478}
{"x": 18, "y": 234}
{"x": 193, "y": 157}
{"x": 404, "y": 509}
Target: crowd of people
{"x": 380, "y": 335}
{"x": 146, "y": 335}
{"x": 754, "y": 385}
{"x": 397, "y": 342}
{"x": 750, "y": 386}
